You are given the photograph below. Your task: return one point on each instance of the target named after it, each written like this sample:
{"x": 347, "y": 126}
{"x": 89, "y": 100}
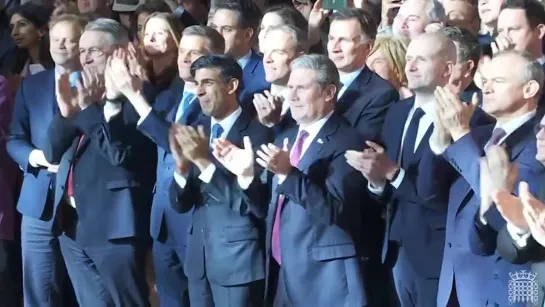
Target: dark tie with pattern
{"x": 496, "y": 137}
{"x": 294, "y": 161}
{"x": 410, "y": 137}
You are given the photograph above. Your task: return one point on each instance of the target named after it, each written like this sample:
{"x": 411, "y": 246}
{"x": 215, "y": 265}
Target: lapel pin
{"x": 320, "y": 141}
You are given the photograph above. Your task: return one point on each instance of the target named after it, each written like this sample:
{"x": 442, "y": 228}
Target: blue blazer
{"x": 253, "y": 82}
{"x": 320, "y": 227}
{"x": 492, "y": 285}
{"x": 164, "y": 220}
{"x": 35, "y": 107}
{"x": 225, "y": 237}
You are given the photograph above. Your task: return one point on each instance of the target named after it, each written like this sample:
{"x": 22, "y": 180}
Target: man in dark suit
{"x": 314, "y": 230}
{"x": 224, "y": 261}
{"x": 104, "y": 185}
{"x": 238, "y": 22}
{"x": 35, "y": 107}
{"x": 404, "y": 175}
{"x": 364, "y": 97}
{"x": 484, "y": 278}
{"x": 180, "y": 105}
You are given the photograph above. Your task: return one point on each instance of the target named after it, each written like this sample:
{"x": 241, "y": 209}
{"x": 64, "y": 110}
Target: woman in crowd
{"x": 143, "y": 12}
{"x": 387, "y": 59}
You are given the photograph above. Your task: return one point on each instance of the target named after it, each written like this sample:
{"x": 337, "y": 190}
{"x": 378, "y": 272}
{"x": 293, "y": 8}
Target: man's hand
{"x": 125, "y": 83}
{"x": 501, "y": 43}
{"x": 373, "y": 163}
{"x": 510, "y": 208}
{"x": 137, "y": 62}
{"x": 195, "y": 146}
{"x": 37, "y": 158}
{"x": 388, "y": 9}
{"x": 239, "y": 161}
{"x": 182, "y": 164}
{"x": 534, "y": 213}
{"x": 276, "y": 160}
{"x": 496, "y": 173}
{"x": 440, "y": 138}
{"x": 269, "y": 108}
{"x": 454, "y": 113}
{"x": 93, "y": 88}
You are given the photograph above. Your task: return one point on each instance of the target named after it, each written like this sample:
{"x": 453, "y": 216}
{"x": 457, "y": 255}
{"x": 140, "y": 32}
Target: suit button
{"x": 449, "y": 245}
{"x": 62, "y": 187}
{"x": 202, "y": 230}
{"x": 168, "y": 168}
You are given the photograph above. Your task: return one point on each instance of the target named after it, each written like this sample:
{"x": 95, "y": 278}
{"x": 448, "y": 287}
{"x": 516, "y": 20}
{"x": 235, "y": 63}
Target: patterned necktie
{"x": 184, "y": 104}
{"x": 410, "y": 137}
{"x": 497, "y": 135}
{"x": 217, "y": 131}
{"x": 294, "y": 160}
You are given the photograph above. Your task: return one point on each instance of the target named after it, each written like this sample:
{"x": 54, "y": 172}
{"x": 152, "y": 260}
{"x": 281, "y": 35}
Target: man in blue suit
{"x": 224, "y": 262}
{"x": 473, "y": 273}
{"x": 238, "y": 22}
{"x": 179, "y": 104}
{"x": 314, "y": 230}
{"x": 364, "y": 97}
{"x": 404, "y": 175}
{"x": 35, "y": 107}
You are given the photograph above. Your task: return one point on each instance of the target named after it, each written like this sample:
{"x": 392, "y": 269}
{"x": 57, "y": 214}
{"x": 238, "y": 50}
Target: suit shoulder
{"x": 381, "y": 84}
{"x": 40, "y": 78}
{"x": 348, "y": 137}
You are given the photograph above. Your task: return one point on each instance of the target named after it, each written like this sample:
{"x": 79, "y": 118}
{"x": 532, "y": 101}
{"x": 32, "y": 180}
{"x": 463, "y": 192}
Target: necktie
{"x": 410, "y": 137}
{"x": 70, "y": 188}
{"x": 184, "y": 104}
{"x": 294, "y": 160}
{"x": 497, "y": 135}
{"x": 217, "y": 131}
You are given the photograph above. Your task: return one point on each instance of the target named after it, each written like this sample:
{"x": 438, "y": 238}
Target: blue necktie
{"x": 217, "y": 131}
{"x": 410, "y": 138}
{"x": 186, "y": 101}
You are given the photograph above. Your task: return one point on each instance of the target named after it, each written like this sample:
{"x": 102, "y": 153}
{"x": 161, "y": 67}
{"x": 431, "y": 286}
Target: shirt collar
{"x": 515, "y": 123}
{"x": 313, "y": 128}
{"x": 427, "y": 106}
{"x": 541, "y": 59}
{"x": 347, "y": 78}
{"x": 243, "y": 61}
{"x": 228, "y": 122}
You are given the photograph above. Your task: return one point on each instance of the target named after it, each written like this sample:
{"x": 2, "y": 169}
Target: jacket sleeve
{"x": 184, "y": 199}
{"x": 60, "y": 136}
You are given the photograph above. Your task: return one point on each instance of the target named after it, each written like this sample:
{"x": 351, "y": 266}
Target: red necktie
{"x": 71, "y": 171}
{"x": 294, "y": 160}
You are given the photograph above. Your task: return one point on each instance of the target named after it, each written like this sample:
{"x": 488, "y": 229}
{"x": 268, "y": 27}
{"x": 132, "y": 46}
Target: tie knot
{"x": 497, "y": 135}
{"x": 217, "y": 131}
{"x": 303, "y": 135}
{"x": 418, "y": 113}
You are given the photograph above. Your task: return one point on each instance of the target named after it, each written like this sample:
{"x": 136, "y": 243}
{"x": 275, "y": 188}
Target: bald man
{"x": 405, "y": 175}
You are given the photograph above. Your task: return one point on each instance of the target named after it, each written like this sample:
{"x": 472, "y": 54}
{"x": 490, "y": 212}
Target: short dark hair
{"x": 228, "y": 67}
{"x": 368, "y": 23}
{"x": 289, "y": 15}
{"x": 216, "y": 43}
{"x": 467, "y": 44}
{"x": 533, "y": 9}
{"x": 248, "y": 13}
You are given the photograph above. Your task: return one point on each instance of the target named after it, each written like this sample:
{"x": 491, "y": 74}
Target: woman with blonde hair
{"x": 387, "y": 59}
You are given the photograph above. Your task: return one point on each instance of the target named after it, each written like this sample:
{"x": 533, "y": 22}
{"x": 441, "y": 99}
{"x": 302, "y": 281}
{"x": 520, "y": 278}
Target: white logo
{"x": 523, "y": 287}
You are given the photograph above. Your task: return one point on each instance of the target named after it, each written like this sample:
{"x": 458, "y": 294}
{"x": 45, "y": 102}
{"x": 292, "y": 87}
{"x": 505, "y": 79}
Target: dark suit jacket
{"x": 253, "y": 82}
{"x": 464, "y": 156}
{"x": 225, "y": 241}
{"x": 35, "y": 107}
{"x": 113, "y": 173}
{"x": 9, "y": 173}
{"x": 320, "y": 227}
{"x": 165, "y": 221}
{"x": 365, "y": 103}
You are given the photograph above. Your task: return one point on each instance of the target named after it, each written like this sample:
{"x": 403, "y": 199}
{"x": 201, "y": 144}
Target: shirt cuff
{"x": 377, "y": 190}
{"x": 482, "y": 219}
{"x": 436, "y": 148}
{"x": 520, "y": 239}
{"x": 207, "y": 174}
{"x": 281, "y": 178}
{"x": 397, "y": 182}
{"x": 180, "y": 180}
{"x": 245, "y": 182}
{"x": 179, "y": 11}
{"x": 32, "y": 157}
{"x": 143, "y": 118}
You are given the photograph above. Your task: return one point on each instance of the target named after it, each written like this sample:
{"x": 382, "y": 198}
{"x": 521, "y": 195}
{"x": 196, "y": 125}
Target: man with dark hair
{"x": 238, "y": 21}
{"x": 468, "y": 53}
{"x": 364, "y": 97}
{"x": 225, "y": 256}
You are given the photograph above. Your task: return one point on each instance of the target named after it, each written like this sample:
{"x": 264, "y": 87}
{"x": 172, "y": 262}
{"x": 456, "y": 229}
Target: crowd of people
{"x": 270, "y": 153}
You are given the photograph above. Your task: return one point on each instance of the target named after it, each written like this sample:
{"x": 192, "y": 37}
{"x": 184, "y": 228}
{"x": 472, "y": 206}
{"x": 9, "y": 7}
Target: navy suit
{"x": 417, "y": 209}
{"x": 168, "y": 228}
{"x": 253, "y": 82}
{"x": 485, "y": 280}
{"x": 35, "y": 107}
{"x": 365, "y": 103}
{"x": 225, "y": 256}
{"x": 320, "y": 228}
{"x": 105, "y": 237}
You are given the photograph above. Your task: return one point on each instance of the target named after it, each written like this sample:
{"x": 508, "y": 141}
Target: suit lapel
{"x": 177, "y": 95}
{"x": 393, "y": 143}
{"x": 352, "y": 93}
{"x": 514, "y": 144}
{"x": 319, "y": 143}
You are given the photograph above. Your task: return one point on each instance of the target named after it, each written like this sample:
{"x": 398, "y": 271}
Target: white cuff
{"x": 281, "y": 178}
{"x": 483, "y": 220}
{"x": 437, "y": 149}
{"x": 180, "y": 180}
{"x": 520, "y": 239}
{"x": 111, "y": 109}
{"x": 397, "y": 182}
{"x": 32, "y": 157}
{"x": 143, "y": 117}
{"x": 207, "y": 174}
{"x": 244, "y": 182}
{"x": 377, "y": 190}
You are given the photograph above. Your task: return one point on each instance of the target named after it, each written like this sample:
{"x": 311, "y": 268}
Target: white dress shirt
{"x": 425, "y": 123}
{"x": 347, "y": 79}
{"x": 206, "y": 175}
{"x": 243, "y": 61}
{"x": 180, "y": 105}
